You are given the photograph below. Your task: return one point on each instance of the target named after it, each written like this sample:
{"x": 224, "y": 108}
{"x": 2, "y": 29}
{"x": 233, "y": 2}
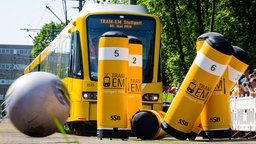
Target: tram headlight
{"x": 150, "y": 97}
{"x": 90, "y": 95}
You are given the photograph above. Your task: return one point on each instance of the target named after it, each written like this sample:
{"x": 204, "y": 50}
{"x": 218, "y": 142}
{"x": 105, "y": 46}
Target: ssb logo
{"x": 215, "y": 119}
{"x": 183, "y": 122}
{"x": 115, "y": 117}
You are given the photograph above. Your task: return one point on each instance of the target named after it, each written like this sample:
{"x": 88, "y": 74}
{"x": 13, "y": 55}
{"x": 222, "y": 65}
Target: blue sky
{"x": 29, "y": 14}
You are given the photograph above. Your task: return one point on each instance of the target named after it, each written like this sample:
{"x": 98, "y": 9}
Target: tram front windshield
{"x": 138, "y": 26}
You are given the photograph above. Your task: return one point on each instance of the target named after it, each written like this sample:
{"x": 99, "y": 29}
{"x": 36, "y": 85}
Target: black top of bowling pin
{"x": 240, "y": 54}
{"x": 114, "y": 34}
{"x": 206, "y": 35}
{"x": 220, "y": 44}
{"x": 134, "y": 40}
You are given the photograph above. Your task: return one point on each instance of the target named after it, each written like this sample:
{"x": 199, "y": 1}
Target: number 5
{"x": 116, "y": 54}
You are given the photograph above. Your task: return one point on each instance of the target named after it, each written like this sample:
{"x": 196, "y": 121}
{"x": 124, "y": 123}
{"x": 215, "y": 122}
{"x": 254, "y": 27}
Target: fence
{"x": 243, "y": 113}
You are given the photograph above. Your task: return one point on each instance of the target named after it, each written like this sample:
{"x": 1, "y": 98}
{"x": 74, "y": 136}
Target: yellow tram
{"x": 72, "y": 56}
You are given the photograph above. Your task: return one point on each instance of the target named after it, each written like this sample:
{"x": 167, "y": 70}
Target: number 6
{"x": 213, "y": 67}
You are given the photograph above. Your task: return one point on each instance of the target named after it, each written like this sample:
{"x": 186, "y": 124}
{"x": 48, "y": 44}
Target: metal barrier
{"x": 243, "y": 113}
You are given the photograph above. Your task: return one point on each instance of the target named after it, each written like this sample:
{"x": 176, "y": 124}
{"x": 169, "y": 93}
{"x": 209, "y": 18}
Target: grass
{"x": 62, "y": 130}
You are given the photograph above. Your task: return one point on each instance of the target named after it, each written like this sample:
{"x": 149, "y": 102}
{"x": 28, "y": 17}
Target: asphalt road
{"x": 10, "y": 135}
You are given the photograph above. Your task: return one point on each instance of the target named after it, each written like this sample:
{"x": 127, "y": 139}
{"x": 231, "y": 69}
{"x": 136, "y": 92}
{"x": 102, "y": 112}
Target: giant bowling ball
{"x": 36, "y": 101}
{"x": 146, "y": 124}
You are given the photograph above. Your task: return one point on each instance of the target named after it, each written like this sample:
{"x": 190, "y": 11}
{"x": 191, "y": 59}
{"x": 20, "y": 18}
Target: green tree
{"x": 236, "y": 21}
{"x": 45, "y": 36}
{"x": 183, "y": 21}
{"x": 179, "y": 32}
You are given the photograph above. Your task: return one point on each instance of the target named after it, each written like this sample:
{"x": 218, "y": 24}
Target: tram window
{"x": 138, "y": 26}
{"x": 37, "y": 68}
{"x": 75, "y": 57}
{"x": 93, "y": 56}
{"x": 64, "y": 57}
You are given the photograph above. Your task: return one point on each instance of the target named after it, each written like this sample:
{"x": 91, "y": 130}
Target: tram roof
{"x": 91, "y": 7}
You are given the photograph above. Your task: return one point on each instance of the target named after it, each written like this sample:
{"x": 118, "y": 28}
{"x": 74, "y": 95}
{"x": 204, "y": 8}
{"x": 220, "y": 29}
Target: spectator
{"x": 254, "y": 72}
{"x": 236, "y": 90}
{"x": 175, "y": 90}
{"x": 251, "y": 86}
{"x": 246, "y": 82}
{"x": 245, "y": 77}
{"x": 242, "y": 90}
{"x": 166, "y": 97}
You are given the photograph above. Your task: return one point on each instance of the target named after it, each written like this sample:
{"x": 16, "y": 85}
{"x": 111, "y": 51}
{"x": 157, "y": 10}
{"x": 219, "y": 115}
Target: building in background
{"x": 13, "y": 60}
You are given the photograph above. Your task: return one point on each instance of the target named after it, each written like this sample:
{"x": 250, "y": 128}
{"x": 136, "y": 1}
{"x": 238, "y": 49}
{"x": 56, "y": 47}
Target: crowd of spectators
{"x": 246, "y": 86}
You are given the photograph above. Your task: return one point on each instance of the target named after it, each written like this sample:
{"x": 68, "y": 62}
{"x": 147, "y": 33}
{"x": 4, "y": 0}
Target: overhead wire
{"x": 41, "y": 18}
